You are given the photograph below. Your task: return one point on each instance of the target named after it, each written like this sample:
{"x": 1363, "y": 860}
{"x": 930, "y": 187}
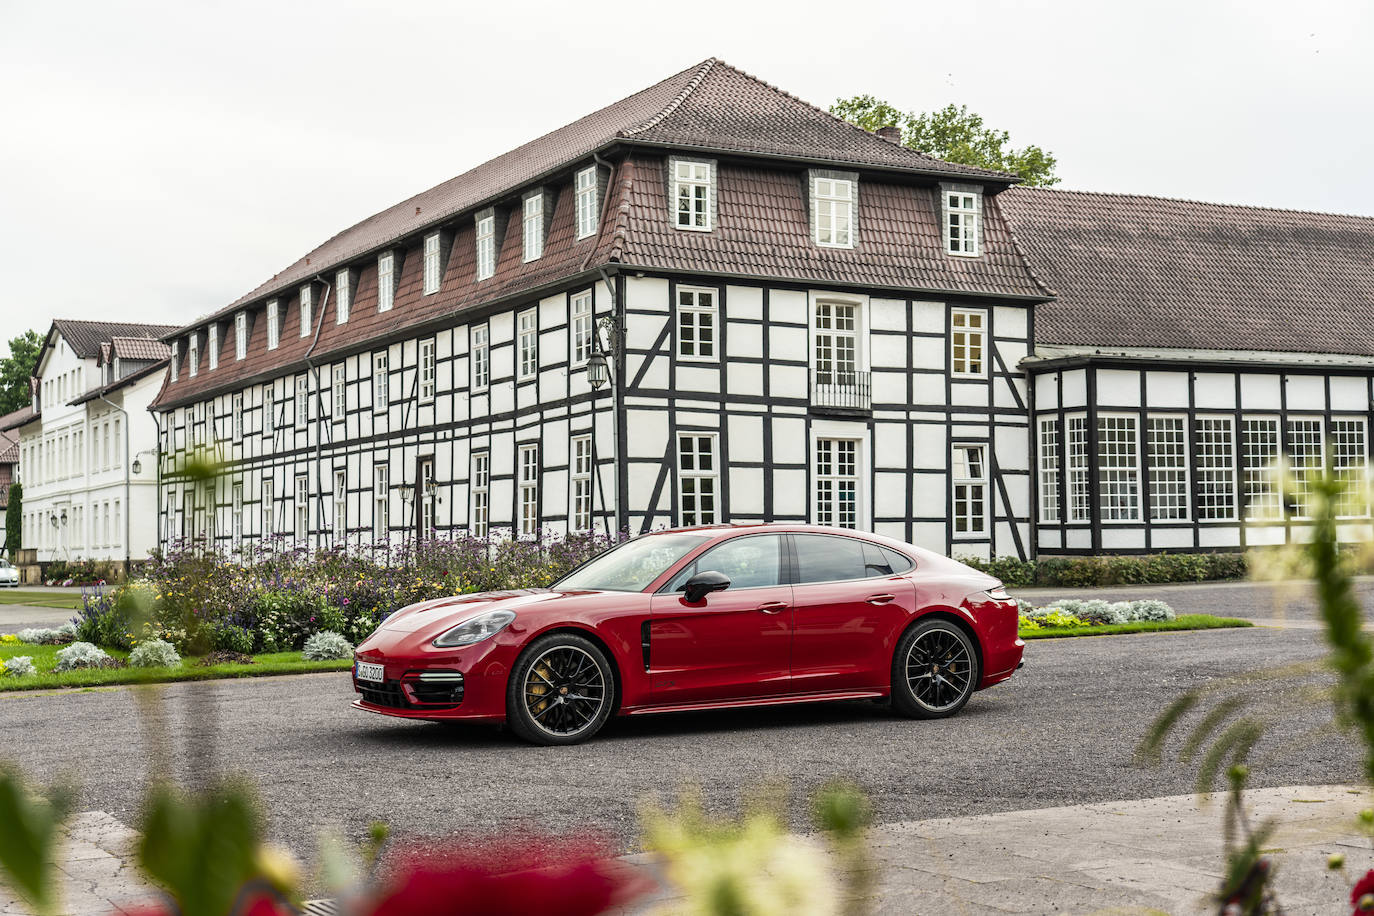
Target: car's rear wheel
{"x": 561, "y": 690}
{"x": 934, "y": 670}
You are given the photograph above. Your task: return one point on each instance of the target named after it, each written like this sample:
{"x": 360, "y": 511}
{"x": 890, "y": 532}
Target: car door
{"x": 850, "y": 603}
{"x": 734, "y": 643}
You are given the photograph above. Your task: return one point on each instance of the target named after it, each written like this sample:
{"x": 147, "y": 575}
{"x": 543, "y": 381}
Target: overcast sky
{"x": 159, "y": 159}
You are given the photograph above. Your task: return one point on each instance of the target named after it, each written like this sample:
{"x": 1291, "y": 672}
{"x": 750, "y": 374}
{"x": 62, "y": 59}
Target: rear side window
{"x": 826, "y": 558}
{"x": 880, "y": 561}
{"x": 750, "y": 562}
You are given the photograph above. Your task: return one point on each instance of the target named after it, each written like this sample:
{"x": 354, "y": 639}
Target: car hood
{"x": 441, "y": 614}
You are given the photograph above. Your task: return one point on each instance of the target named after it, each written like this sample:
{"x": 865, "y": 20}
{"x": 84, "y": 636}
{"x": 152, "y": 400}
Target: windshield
{"x": 633, "y": 565}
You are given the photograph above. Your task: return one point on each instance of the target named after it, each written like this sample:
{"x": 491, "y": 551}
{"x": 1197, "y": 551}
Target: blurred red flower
{"x": 1362, "y": 895}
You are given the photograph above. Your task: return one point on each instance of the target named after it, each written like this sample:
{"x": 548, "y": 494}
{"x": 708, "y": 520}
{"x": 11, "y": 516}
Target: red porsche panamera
{"x": 700, "y": 618}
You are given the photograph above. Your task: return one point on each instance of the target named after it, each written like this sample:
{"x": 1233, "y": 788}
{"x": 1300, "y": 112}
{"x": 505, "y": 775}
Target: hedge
{"x": 1079, "y": 572}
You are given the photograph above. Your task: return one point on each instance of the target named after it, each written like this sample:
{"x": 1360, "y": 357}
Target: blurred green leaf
{"x": 29, "y": 834}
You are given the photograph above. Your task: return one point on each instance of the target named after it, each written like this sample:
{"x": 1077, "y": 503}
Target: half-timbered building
{"x": 797, "y": 319}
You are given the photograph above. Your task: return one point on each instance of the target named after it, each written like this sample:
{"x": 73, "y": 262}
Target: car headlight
{"x": 998, "y": 594}
{"x": 483, "y": 626}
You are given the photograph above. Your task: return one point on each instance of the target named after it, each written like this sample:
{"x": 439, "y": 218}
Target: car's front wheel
{"x": 561, "y": 690}
{"x": 934, "y": 670}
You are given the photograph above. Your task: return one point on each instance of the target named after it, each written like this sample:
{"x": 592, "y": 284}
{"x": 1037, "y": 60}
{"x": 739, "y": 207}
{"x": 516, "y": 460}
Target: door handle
{"x": 773, "y": 607}
{"x": 880, "y": 599}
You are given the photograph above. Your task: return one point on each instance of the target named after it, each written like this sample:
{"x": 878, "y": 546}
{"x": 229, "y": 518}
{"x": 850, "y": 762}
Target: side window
{"x": 754, "y": 561}
{"x": 880, "y": 561}
{"x": 823, "y": 558}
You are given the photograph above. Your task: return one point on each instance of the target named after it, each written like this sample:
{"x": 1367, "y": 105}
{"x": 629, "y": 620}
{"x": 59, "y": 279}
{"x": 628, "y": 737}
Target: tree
{"x": 953, "y": 134}
{"x": 14, "y": 520}
{"x": 15, "y": 370}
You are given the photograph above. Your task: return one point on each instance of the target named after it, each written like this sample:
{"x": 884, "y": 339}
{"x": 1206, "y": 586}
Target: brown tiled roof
{"x": 85, "y": 337}
{"x": 711, "y": 106}
{"x": 9, "y": 448}
{"x": 151, "y": 369}
{"x": 1135, "y": 271}
{"x": 140, "y": 348}
{"x": 763, "y": 230}
{"x": 17, "y": 418}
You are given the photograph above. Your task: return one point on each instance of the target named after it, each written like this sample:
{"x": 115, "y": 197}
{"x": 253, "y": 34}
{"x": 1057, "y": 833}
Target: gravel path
{"x": 1061, "y": 732}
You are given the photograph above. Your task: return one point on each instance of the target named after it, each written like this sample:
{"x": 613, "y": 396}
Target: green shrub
{"x": 155, "y": 653}
{"x": 230, "y": 638}
{"x": 1088, "y": 572}
{"x": 327, "y": 644}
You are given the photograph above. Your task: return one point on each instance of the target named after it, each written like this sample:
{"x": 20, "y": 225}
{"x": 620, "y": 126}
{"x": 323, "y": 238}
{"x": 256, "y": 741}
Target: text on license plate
{"x": 368, "y": 671}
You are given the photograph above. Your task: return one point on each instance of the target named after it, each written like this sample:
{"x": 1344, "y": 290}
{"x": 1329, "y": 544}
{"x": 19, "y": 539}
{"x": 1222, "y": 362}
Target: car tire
{"x": 947, "y": 650}
{"x": 560, "y": 666}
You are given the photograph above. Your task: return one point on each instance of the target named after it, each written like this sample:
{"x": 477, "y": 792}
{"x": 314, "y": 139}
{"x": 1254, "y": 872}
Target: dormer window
{"x": 176, "y": 354}
{"x": 386, "y": 281}
{"x": 533, "y": 226}
{"x": 486, "y": 244}
{"x": 963, "y": 208}
{"x": 214, "y": 346}
{"x": 193, "y": 355}
{"x": 432, "y": 266}
{"x": 694, "y": 194}
{"x": 585, "y": 189}
{"x": 273, "y": 325}
{"x": 834, "y": 199}
{"x": 241, "y": 335}
{"x": 307, "y": 306}
{"x": 343, "y": 295}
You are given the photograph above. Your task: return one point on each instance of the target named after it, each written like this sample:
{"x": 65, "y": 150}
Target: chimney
{"x": 890, "y": 132}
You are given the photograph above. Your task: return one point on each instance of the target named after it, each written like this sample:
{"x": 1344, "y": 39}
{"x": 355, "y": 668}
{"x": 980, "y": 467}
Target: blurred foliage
{"x": 30, "y": 830}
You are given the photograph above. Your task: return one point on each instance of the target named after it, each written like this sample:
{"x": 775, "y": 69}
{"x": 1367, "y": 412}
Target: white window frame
{"x": 828, "y": 357}
{"x": 269, "y": 407}
{"x": 273, "y": 324}
{"x": 1166, "y": 467}
{"x": 532, "y": 226}
{"x": 302, "y": 401}
{"x": 212, "y": 346}
{"x": 1212, "y": 468}
{"x": 698, "y": 484}
{"x": 580, "y": 483}
{"x": 265, "y": 507}
{"x": 307, "y": 306}
{"x": 236, "y": 512}
{"x": 337, "y": 393}
{"x": 236, "y": 414}
{"x": 381, "y": 501}
{"x": 241, "y": 336}
{"x": 1078, "y": 478}
{"x": 834, "y": 212}
{"x": 527, "y": 343}
{"x": 1050, "y": 476}
{"x": 480, "y": 357}
{"x": 698, "y": 324}
{"x": 969, "y": 490}
{"x": 479, "y": 516}
{"x": 527, "y": 465}
{"x": 1350, "y": 462}
{"x": 343, "y": 295}
{"x": 693, "y": 196}
{"x": 381, "y": 380}
{"x": 968, "y": 343}
{"x": 584, "y": 190}
{"x": 963, "y": 210}
{"x": 425, "y": 500}
{"x": 485, "y": 241}
{"x": 427, "y": 371}
{"x": 581, "y": 325}
{"x": 1302, "y": 461}
{"x": 828, "y": 481}
{"x": 1261, "y": 446}
{"x": 432, "y": 274}
{"x": 1118, "y": 468}
{"x": 386, "y": 281}
{"x": 339, "y": 523}
{"x": 176, "y": 355}
{"x": 193, "y": 355}
{"x": 301, "y": 507}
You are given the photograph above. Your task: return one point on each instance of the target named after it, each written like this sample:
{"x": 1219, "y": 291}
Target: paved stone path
{"x": 1151, "y": 855}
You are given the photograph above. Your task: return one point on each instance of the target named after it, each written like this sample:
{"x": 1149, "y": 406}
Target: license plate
{"x": 368, "y": 671}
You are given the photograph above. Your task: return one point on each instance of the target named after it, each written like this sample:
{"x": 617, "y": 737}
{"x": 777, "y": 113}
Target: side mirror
{"x": 703, "y": 583}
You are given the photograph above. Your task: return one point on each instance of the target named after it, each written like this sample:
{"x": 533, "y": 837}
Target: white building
{"x": 88, "y": 425}
{"x": 801, "y": 321}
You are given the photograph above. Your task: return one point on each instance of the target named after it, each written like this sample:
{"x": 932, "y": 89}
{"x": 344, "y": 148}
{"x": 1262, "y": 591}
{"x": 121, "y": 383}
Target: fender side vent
{"x": 644, "y": 642}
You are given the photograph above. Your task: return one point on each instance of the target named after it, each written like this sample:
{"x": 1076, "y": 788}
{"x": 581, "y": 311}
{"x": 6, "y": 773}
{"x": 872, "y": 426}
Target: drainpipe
{"x": 622, "y": 518}
{"x": 319, "y": 396}
{"x": 128, "y": 434}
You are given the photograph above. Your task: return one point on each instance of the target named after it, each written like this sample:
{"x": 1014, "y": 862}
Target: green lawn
{"x": 1183, "y": 622}
{"x": 37, "y": 598}
{"x": 45, "y": 657}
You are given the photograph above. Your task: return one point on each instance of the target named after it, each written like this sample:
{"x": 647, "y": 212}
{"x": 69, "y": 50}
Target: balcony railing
{"x": 841, "y": 390}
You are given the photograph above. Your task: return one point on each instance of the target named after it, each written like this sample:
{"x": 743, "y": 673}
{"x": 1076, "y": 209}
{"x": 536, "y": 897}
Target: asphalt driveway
{"x": 1061, "y": 732}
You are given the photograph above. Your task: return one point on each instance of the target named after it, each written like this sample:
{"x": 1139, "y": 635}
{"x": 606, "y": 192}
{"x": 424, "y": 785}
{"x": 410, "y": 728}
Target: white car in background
{"x": 9, "y": 574}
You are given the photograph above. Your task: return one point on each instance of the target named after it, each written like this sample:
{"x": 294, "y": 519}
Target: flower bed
{"x": 1072, "y": 617}
{"x": 201, "y": 601}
